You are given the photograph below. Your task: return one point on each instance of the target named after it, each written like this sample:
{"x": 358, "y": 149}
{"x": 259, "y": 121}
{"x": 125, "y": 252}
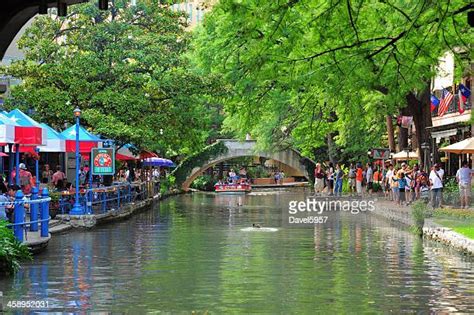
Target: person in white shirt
{"x": 436, "y": 182}
{"x": 441, "y": 174}
{"x": 388, "y": 181}
{"x": 464, "y": 179}
{"x": 369, "y": 177}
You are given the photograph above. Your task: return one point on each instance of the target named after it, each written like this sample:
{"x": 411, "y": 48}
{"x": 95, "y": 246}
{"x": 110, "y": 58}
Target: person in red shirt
{"x": 26, "y": 179}
{"x": 359, "y": 179}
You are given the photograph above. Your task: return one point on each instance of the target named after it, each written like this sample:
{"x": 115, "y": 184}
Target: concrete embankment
{"x": 431, "y": 230}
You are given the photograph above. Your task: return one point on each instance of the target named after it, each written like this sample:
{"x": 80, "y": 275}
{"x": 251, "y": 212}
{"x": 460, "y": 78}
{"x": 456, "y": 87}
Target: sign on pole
{"x": 103, "y": 161}
{"x": 380, "y": 154}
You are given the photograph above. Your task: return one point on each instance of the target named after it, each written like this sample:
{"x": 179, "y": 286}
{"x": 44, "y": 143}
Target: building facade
{"x": 453, "y": 126}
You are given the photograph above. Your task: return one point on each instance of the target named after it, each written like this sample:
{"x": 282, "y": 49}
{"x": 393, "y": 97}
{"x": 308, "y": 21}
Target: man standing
{"x": 369, "y": 176}
{"x": 464, "y": 177}
{"x": 352, "y": 179}
{"x": 387, "y": 182}
{"x": 58, "y": 176}
{"x": 436, "y": 182}
{"x": 339, "y": 176}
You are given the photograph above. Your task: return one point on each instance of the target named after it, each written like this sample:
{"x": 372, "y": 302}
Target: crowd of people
{"x": 399, "y": 183}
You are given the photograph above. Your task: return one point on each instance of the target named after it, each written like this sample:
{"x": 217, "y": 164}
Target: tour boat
{"x": 232, "y": 188}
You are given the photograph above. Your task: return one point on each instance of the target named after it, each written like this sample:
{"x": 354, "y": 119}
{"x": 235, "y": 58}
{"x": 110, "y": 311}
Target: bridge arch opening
{"x": 290, "y": 171}
{"x": 227, "y": 149}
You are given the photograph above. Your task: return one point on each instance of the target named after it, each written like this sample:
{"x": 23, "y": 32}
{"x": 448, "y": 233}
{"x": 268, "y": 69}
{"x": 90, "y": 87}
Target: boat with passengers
{"x": 233, "y": 185}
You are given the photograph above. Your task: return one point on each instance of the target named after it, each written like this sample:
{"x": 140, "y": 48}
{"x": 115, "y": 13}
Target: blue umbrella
{"x": 155, "y": 161}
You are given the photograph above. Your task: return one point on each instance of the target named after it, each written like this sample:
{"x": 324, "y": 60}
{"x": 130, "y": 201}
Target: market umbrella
{"x": 122, "y": 157}
{"x": 87, "y": 140}
{"x": 125, "y": 154}
{"x": 463, "y": 147}
{"x": 28, "y": 132}
{"x": 7, "y": 130}
{"x": 147, "y": 154}
{"x": 155, "y": 161}
{"x": 402, "y": 155}
{"x": 55, "y": 141}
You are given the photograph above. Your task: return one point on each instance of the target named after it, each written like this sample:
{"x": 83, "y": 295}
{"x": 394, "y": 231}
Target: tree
{"x": 125, "y": 68}
{"x": 291, "y": 64}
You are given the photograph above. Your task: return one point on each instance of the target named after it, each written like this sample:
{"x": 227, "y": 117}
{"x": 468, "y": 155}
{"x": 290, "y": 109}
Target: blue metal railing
{"x": 103, "y": 199}
{"x": 38, "y": 214}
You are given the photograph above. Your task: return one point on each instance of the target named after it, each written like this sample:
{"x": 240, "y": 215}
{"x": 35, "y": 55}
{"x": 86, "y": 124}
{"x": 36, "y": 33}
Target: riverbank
{"x": 431, "y": 229}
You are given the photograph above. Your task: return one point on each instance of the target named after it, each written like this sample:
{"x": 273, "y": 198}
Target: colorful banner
{"x": 103, "y": 161}
{"x": 380, "y": 154}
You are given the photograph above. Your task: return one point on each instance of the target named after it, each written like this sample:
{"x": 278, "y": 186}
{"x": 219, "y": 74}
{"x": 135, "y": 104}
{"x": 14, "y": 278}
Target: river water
{"x": 189, "y": 253}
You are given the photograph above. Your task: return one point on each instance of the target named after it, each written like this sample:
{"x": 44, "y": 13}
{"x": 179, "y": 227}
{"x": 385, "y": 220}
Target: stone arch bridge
{"x": 224, "y": 150}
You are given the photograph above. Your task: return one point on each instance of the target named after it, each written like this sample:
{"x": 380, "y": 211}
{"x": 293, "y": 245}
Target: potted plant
{"x": 54, "y": 204}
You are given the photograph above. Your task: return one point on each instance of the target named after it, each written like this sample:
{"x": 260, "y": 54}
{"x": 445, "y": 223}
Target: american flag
{"x": 446, "y": 100}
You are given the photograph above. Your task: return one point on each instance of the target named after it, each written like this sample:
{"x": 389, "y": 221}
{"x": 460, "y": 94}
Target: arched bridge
{"x": 224, "y": 150}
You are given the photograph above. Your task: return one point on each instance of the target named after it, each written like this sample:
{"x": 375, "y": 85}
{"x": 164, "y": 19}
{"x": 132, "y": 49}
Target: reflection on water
{"x": 190, "y": 253}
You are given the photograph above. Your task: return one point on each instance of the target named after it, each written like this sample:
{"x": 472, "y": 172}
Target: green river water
{"x": 189, "y": 253}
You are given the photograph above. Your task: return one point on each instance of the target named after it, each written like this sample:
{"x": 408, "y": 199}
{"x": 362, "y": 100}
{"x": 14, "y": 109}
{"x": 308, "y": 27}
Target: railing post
{"x": 34, "y": 210}
{"x": 45, "y": 213}
{"x": 19, "y": 216}
{"x": 104, "y": 200}
{"x": 118, "y": 197}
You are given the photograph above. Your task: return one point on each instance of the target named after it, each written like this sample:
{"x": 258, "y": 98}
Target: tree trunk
{"x": 419, "y": 108}
{"x": 390, "y": 133}
{"x": 331, "y": 148}
{"x": 403, "y": 132}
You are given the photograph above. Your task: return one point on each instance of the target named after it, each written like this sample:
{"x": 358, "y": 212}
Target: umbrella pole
{"x": 10, "y": 164}
{"x": 37, "y": 150}
{"x": 1, "y": 161}
{"x": 17, "y": 164}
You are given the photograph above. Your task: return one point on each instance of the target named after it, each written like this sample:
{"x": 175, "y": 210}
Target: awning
{"x": 463, "y": 147}
{"x": 87, "y": 140}
{"x": 438, "y": 135}
{"x": 28, "y": 132}
{"x": 402, "y": 155}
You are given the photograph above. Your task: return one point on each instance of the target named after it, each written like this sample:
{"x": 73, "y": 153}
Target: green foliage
{"x": 450, "y": 185}
{"x": 11, "y": 251}
{"x": 297, "y": 71}
{"x": 204, "y": 182}
{"x": 167, "y": 184}
{"x": 55, "y": 196}
{"x": 197, "y": 160}
{"x": 376, "y": 187}
{"x": 419, "y": 213}
{"x": 258, "y": 171}
{"x": 125, "y": 68}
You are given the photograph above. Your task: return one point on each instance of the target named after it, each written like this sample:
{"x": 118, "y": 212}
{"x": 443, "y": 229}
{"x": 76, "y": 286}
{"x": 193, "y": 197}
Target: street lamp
{"x": 425, "y": 147}
{"x": 37, "y": 150}
{"x": 77, "y": 209}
